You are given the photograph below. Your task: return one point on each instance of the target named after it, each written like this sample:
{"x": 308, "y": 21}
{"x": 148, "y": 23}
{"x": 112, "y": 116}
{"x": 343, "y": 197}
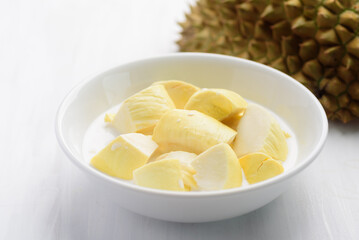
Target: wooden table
{"x": 46, "y": 47}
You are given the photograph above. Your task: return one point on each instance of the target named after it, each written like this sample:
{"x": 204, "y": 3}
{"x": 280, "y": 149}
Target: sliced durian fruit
{"x": 259, "y": 166}
{"x": 217, "y": 168}
{"x": 259, "y": 131}
{"x": 164, "y": 174}
{"x": 124, "y": 154}
{"x": 217, "y": 103}
{"x": 190, "y": 131}
{"x": 187, "y": 170}
{"x": 141, "y": 112}
{"x": 179, "y": 91}
{"x": 109, "y": 117}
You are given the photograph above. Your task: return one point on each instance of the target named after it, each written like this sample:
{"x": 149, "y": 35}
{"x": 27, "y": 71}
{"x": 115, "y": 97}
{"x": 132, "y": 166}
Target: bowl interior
{"x": 256, "y": 82}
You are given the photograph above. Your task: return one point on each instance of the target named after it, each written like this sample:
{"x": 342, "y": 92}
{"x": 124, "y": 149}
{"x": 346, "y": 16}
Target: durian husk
{"x": 314, "y": 41}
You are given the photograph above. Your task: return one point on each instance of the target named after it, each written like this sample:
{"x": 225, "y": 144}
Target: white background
{"x": 46, "y": 47}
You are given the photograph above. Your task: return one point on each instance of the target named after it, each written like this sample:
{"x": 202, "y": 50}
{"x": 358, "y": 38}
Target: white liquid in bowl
{"x": 99, "y": 134}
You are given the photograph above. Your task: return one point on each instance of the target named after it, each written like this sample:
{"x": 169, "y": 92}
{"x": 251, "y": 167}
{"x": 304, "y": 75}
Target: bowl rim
{"x": 244, "y": 189}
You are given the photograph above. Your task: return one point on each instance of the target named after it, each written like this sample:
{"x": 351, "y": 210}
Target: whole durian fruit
{"x": 314, "y": 41}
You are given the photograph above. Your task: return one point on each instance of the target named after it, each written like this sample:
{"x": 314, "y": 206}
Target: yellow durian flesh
{"x": 190, "y": 131}
{"x": 187, "y": 170}
{"x": 141, "y": 111}
{"x": 164, "y": 174}
{"x": 217, "y": 168}
{"x": 259, "y": 166}
{"x": 124, "y": 154}
{"x": 109, "y": 117}
{"x": 259, "y": 131}
{"x": 217, "y": 103}
{"x": 179, "y": 91}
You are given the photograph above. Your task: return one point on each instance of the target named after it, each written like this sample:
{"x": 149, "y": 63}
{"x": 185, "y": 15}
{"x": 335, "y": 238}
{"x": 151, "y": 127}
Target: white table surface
{"x": 46, "y": 47}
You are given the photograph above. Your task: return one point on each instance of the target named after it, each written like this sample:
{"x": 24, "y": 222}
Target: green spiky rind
{"x": 315, "y": 41}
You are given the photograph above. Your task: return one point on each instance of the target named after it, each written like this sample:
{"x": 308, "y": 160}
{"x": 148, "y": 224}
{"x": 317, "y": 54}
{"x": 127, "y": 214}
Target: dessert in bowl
{"x": 297, "y": 110}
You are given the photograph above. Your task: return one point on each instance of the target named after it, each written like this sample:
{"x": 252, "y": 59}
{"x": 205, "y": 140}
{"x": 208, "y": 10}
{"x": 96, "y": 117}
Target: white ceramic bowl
{"x": 297, "y": 106}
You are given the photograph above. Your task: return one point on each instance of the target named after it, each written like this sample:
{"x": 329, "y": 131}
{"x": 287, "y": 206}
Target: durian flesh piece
{"x": 258, "y": 167}
{"x": 109, "y": 117}
{"x": 179, "y": 91}
{"x": 259, "y": 131}
{"x": 164, "y": 174}
{"x": 124, "y": 154}
{"x": 187, "y": 170}
{"x": 141, "y": 112}
{"x": 217, "y": 103}
{"x": 217, "y": 168}
{"x": 191, "y": 131}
